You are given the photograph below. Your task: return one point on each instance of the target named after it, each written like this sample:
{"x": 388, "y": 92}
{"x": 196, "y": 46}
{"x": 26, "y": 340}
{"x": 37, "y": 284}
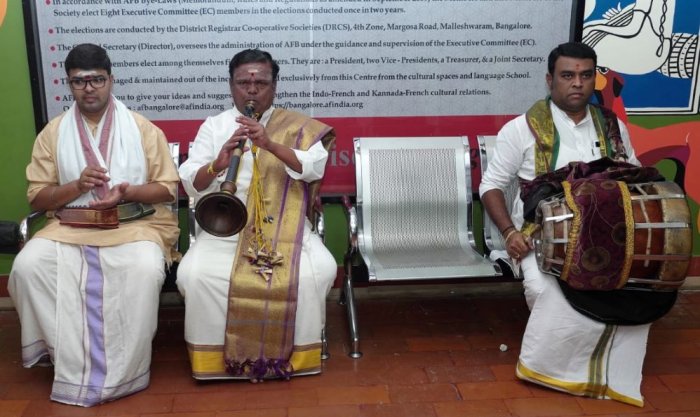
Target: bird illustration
{"x": 608, "y": 91}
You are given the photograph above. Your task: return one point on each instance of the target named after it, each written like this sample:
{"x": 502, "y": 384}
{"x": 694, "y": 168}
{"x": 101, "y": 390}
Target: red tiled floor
{"x": 397, "y": 410}
{"x": 592, "y": 406}
{"x": 674, "y": 401}
{"x": 494, "y": 390}
{"x": 538, "y": 407}
{"x": 325, "y": 411}
{"x": 271, "y": 412}
{"x": 378, "y": 394}
{"x": 12, "y": 408}
{"x": 402, "y": 394}
{"x": 652, "y": 383}
{"x": 681, "y": 383}
{"x": 210, "y": 414}
{"x": 481, "y": 408}
{"x": 209, "y": 401}
{"x": 454, "y": 374}
{"x": 423, "y": 357}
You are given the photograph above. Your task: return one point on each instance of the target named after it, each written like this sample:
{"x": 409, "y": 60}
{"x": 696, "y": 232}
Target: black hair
{"x": 247, "y": 56}
{"x": 571, "y": 50}
{"x": 88, "y": 56}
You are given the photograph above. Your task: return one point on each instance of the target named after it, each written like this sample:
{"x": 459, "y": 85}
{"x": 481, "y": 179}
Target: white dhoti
{"x": 203, "y": 278}
{"x": 564, "y": 350}
{"x": 92, "y": 311}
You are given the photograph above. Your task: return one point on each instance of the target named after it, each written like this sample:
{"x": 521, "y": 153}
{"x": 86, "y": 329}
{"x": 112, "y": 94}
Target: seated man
{"x": 255, "y": 301}
{"x": 87, "y": 297}
{"x": 562, "y": 348}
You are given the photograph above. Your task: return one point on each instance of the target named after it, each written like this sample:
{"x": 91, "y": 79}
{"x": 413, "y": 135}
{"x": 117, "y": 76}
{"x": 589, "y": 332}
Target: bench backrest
{"x": 414, "y": 199}
{"x": 175, "y": 154}
{"x": 192, "y": 224}
{"x": 492, "y": 236}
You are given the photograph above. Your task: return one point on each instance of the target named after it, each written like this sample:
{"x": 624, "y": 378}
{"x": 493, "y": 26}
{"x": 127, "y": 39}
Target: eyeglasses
{"x": 246, "y": 84}
{"x": 79, "y": 83}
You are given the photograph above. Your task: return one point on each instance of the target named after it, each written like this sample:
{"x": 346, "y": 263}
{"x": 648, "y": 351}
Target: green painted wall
{"x": 651, "y": 122}
{"x": 17, "y": 131}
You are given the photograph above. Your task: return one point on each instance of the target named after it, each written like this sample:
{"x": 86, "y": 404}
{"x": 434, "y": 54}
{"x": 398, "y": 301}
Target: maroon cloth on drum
{"x": 597, "y": 257}
{"x": 549, "y": 184}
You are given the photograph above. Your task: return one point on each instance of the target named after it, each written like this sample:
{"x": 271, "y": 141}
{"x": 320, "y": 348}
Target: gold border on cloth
{"x": 576, "y": 388}
{"x": 539, "y": 119}
{"x": 629, "y": 233}
{"x": 261, "y": 314}
{"x": 541, "y": 123}
{"x": 595, "y": 386}
{"x": 208, "y": 361}
{"x": 572, "y": 238}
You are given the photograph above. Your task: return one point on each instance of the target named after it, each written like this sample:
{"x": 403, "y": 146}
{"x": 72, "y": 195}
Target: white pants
{"x": 203, "y": 278}
{"x": 91, "y": 311}
{"x": 568, "y": 351}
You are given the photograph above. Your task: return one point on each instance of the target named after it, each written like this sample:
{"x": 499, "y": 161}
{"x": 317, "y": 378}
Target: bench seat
{"x": 412, "y": 218}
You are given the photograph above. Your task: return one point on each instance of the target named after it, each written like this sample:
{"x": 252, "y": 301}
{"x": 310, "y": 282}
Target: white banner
{"x": 345, "y": 58}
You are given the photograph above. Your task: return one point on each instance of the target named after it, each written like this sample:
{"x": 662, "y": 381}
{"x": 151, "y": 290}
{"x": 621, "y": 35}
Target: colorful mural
{"x": 653, "y": 44}
{"x": 648, "y": 64}
{"x": 3, "y": 10}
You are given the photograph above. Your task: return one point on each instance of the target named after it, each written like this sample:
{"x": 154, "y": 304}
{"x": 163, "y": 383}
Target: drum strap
{"x": 103, "y": 218}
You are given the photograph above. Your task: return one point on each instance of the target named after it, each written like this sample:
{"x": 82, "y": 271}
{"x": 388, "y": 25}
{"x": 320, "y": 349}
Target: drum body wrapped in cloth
{"x": 603, "y": 234}
{"x": 616, "y": 236}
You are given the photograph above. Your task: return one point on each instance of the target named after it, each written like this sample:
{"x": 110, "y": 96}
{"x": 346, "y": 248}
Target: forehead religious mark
{"x": 253, "y": 70}
{"x": 87, "y": 73}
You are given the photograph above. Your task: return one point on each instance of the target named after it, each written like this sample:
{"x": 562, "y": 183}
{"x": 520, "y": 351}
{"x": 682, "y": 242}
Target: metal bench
{"x": 412, "y": 218}
{"x": 492, "y": 236}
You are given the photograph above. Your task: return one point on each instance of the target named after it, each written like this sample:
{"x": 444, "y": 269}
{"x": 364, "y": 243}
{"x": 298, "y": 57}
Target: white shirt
{"x": 212, "y": 135}
{"x": 514, "y": 154}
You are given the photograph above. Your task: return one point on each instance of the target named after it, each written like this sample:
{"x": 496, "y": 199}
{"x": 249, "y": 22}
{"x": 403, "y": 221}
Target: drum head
{"x": 626, "y": 306}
